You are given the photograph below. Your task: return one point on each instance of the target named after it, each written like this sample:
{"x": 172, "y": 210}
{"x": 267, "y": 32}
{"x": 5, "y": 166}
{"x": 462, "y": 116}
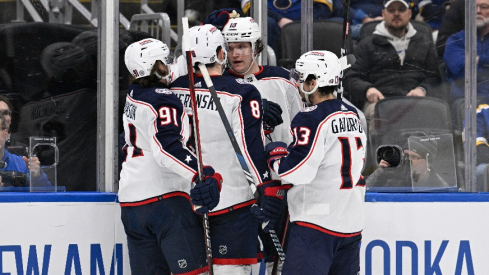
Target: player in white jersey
{"x": 324, "y": 165}
{"x": 164, "y": 235}
{"x": 233, "y": 228}
{"x": 243, "y": 40}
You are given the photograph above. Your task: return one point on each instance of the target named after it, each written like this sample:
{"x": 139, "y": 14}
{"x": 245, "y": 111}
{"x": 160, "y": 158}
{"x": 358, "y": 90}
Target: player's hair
{"x": 325, "y": 90}
{"x": 259, "y": 46}
{"x": 147, "y": 81}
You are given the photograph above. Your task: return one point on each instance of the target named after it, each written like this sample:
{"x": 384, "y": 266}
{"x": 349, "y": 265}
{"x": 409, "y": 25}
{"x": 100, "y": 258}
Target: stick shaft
{"x": 195, "y": 117}
{"x": 237, "y": 150}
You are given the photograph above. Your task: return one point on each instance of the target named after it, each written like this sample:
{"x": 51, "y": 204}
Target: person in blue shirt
{"x": 454, "y": 55}
{"x": 11, "y": 162}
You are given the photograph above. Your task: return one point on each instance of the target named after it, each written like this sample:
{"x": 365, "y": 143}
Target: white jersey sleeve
{"x": 324, "y": 165}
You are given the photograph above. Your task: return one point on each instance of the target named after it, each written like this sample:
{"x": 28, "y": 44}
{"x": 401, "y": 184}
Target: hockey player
{"x": 164, "y": 235}
{"x": 324, "y": 165}
{"x": 243, "y": 40}
{"x": 234, "y": 230}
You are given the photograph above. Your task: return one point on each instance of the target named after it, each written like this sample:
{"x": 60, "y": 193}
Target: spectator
{"x": 482, "y": 142}
{"x": 454, "y": 56}
{"x": 417, "y": 172}
{"x": 452, "y": 22}
{"x": 433, "y": 11}
{"x": 15, "y": 163}
{"x": 394, "y": 61}
{"x": 362, "y": 12}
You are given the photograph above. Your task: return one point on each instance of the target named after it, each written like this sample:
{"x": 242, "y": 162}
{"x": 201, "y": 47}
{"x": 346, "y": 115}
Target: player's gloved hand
{"x": 272, "y": 113}
{"x": 220, "y": 17}
{"x": 272, "y": 194}
{"x": 275, "y": 151}
{"x": 267, "y": 223}
{"x": 205, "y": 195}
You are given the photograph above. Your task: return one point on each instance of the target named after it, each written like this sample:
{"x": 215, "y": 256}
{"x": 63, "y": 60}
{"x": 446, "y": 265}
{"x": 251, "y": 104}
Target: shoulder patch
{"x": 309, "y": 109}
{"x": 163, "y": 91}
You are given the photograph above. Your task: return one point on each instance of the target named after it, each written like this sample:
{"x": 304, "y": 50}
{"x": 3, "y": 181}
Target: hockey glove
{"x": 206, "y": 194}
{"x": 272, "y": 113}
{"x": 272, "y": 194}
{"x": 275, "y": 151}
{"x": 220, "y": 17}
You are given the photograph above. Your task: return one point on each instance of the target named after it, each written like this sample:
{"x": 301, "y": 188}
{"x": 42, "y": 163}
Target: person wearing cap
{"x": 454, "y": 55}
{"x": 395, "y": 61}
{"x": 419, "y": 154}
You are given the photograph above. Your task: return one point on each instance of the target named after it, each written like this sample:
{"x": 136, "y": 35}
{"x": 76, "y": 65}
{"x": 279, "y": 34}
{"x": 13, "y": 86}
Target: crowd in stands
{"x": 396, "y": 59}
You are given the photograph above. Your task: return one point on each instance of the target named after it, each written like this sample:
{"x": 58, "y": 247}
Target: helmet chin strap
{"x": 166, "y": 77}
{"x": 251, "y": 65}
{"x": 223, "y": 61}
{"x": 306, "y": 94}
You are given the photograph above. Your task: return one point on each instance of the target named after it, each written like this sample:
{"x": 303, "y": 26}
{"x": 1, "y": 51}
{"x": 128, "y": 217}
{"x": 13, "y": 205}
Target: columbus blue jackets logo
{"x": 309, "y": 109}
{"x": 182, "y": 263}
{"x": 163, "y": 91}
{"x": 223, "y": 249}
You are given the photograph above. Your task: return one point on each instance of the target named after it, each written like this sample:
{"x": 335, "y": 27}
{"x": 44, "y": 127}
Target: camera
{"x": 392, "y": 154}
{"x": 14, "y": 178}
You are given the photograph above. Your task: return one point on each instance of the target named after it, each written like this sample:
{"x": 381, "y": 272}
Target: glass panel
{"x": 48, "y": 75}
{"x": 432, "y": 164}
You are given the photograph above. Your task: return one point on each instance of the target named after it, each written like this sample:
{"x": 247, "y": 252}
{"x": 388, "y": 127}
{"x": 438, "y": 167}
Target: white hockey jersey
{"x": 274, "y": 84}
{"x": 242, "y": 106}
{"x": 156, "y": 131}
{"x": 324, "y": 165}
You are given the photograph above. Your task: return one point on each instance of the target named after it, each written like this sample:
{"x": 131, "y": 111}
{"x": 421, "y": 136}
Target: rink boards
{"x": 81, "y": 233}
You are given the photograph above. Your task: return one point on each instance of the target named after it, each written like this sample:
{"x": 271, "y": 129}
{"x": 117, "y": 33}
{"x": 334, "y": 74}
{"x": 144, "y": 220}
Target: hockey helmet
{"x": 324, "y": 65}
{"x": 141, "y": 56}
{"x": 204, "y": 42}
{"x": 242, "y": 29}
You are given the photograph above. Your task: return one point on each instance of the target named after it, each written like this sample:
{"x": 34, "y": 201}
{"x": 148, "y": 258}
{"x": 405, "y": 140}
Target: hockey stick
{"x": 346, "y": 28}
{"x": 237, "y": 150}
{"x": 193, "y": 99}
{"x": 284, "y": 236}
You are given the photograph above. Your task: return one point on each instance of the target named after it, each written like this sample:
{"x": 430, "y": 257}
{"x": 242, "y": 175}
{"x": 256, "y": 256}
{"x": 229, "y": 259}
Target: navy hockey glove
{"x": 206, "y": 194}
{"x": 275, "y": 151}
{"x": 220, "y": 17}
{"x": 272, "y": 115}
{"x": 271, "y": 198}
